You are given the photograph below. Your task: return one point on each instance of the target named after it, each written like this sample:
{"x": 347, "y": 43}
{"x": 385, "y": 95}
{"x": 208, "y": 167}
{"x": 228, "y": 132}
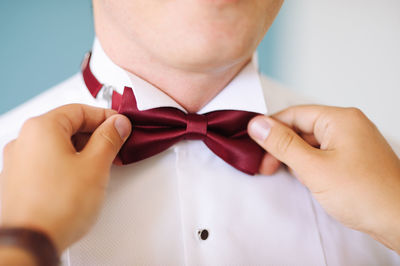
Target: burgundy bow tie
{"x": 155, "y": 130}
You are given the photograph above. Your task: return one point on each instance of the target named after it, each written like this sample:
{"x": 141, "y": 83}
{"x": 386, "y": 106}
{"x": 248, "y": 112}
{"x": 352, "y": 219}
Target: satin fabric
{"x": 155, "y": 130}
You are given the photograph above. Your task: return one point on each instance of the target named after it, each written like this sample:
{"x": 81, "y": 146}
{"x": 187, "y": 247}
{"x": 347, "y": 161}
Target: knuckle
{"x": 31, "y": 124}
{"x": 356, "y": 113}
{"x": 284, "y": 142}
{"x": 70, "y": 106}
{"x": 109, "y": 140}
{"x": 7, "y": 148}
{"x": 74, "y": 105}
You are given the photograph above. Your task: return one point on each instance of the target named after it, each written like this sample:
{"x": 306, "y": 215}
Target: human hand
{"x": 49, "y": 183}
{"x": 348, "y": 166}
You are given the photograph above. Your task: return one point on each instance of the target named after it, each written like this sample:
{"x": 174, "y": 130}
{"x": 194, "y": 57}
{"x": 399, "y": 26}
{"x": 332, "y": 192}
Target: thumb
{"x": 107, "y": 139}
{"x": 282, "y": 142}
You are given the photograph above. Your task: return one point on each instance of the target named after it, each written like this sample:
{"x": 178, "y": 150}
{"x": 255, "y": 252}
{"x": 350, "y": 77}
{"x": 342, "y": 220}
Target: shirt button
{"x": 203, "y": 234}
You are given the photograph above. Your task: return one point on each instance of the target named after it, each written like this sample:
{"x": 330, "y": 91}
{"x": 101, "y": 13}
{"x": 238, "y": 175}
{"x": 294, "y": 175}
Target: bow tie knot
{"x": 196, "y": 126}
{"x": 157, "y": 129}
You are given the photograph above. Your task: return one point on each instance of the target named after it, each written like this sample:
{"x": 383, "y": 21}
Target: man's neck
{"x": 192, "y": 89}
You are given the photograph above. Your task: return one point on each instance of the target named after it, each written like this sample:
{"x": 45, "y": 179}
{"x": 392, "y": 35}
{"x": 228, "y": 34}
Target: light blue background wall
{"x": 43, "y": 42}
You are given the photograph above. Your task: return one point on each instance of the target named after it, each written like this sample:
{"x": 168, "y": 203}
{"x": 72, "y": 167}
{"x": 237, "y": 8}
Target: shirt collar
{"x": 243, "y": 93}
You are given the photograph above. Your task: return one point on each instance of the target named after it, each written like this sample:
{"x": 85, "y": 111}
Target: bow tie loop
{"x": 196, "y": 126}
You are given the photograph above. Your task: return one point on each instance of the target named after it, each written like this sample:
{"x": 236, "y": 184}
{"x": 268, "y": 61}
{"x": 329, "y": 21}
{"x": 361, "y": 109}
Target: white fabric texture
{"x": 155, "y": 208}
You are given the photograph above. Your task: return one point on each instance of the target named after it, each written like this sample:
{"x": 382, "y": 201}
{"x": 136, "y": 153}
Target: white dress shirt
{"x": 155, "y": 209}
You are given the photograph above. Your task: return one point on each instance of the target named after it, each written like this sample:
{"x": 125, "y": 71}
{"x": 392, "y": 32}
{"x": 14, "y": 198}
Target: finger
{"x": 308, "y": 119}
{"x": 107, "y": 140}
{"x": 9, "y": 146}
{"x": 282, "y": 142}
{"x": 269, "y": 165}
{"x": 7, "y": 151}
{"x": 73, "y": 118}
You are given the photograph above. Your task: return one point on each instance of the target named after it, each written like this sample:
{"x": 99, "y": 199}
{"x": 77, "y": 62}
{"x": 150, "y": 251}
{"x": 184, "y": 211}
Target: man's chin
{"x": 217, "y": 56}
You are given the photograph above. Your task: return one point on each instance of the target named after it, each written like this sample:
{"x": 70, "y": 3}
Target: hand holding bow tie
{"x": 344, "y": 161}
{"x": 56, "y": 184}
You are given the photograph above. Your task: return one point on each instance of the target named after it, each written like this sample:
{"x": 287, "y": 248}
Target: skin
{"x": 64, "y": 180}
{"x": 341, "y": 157}
{"x": 333, "y": 152}
{"x": 189, "y": 49}
{"x": 216, "y": 39}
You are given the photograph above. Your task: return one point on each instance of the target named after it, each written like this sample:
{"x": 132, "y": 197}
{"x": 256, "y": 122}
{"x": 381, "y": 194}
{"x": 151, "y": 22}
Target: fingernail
{"x": 259, "y": 129}
{"x": 123, "y": 127}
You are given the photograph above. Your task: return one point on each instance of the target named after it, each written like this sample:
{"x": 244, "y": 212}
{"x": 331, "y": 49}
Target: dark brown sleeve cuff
{"x": 35, "y": 242}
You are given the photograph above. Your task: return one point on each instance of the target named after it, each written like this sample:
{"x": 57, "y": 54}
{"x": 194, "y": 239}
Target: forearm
{"x": 15, "y": 257}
